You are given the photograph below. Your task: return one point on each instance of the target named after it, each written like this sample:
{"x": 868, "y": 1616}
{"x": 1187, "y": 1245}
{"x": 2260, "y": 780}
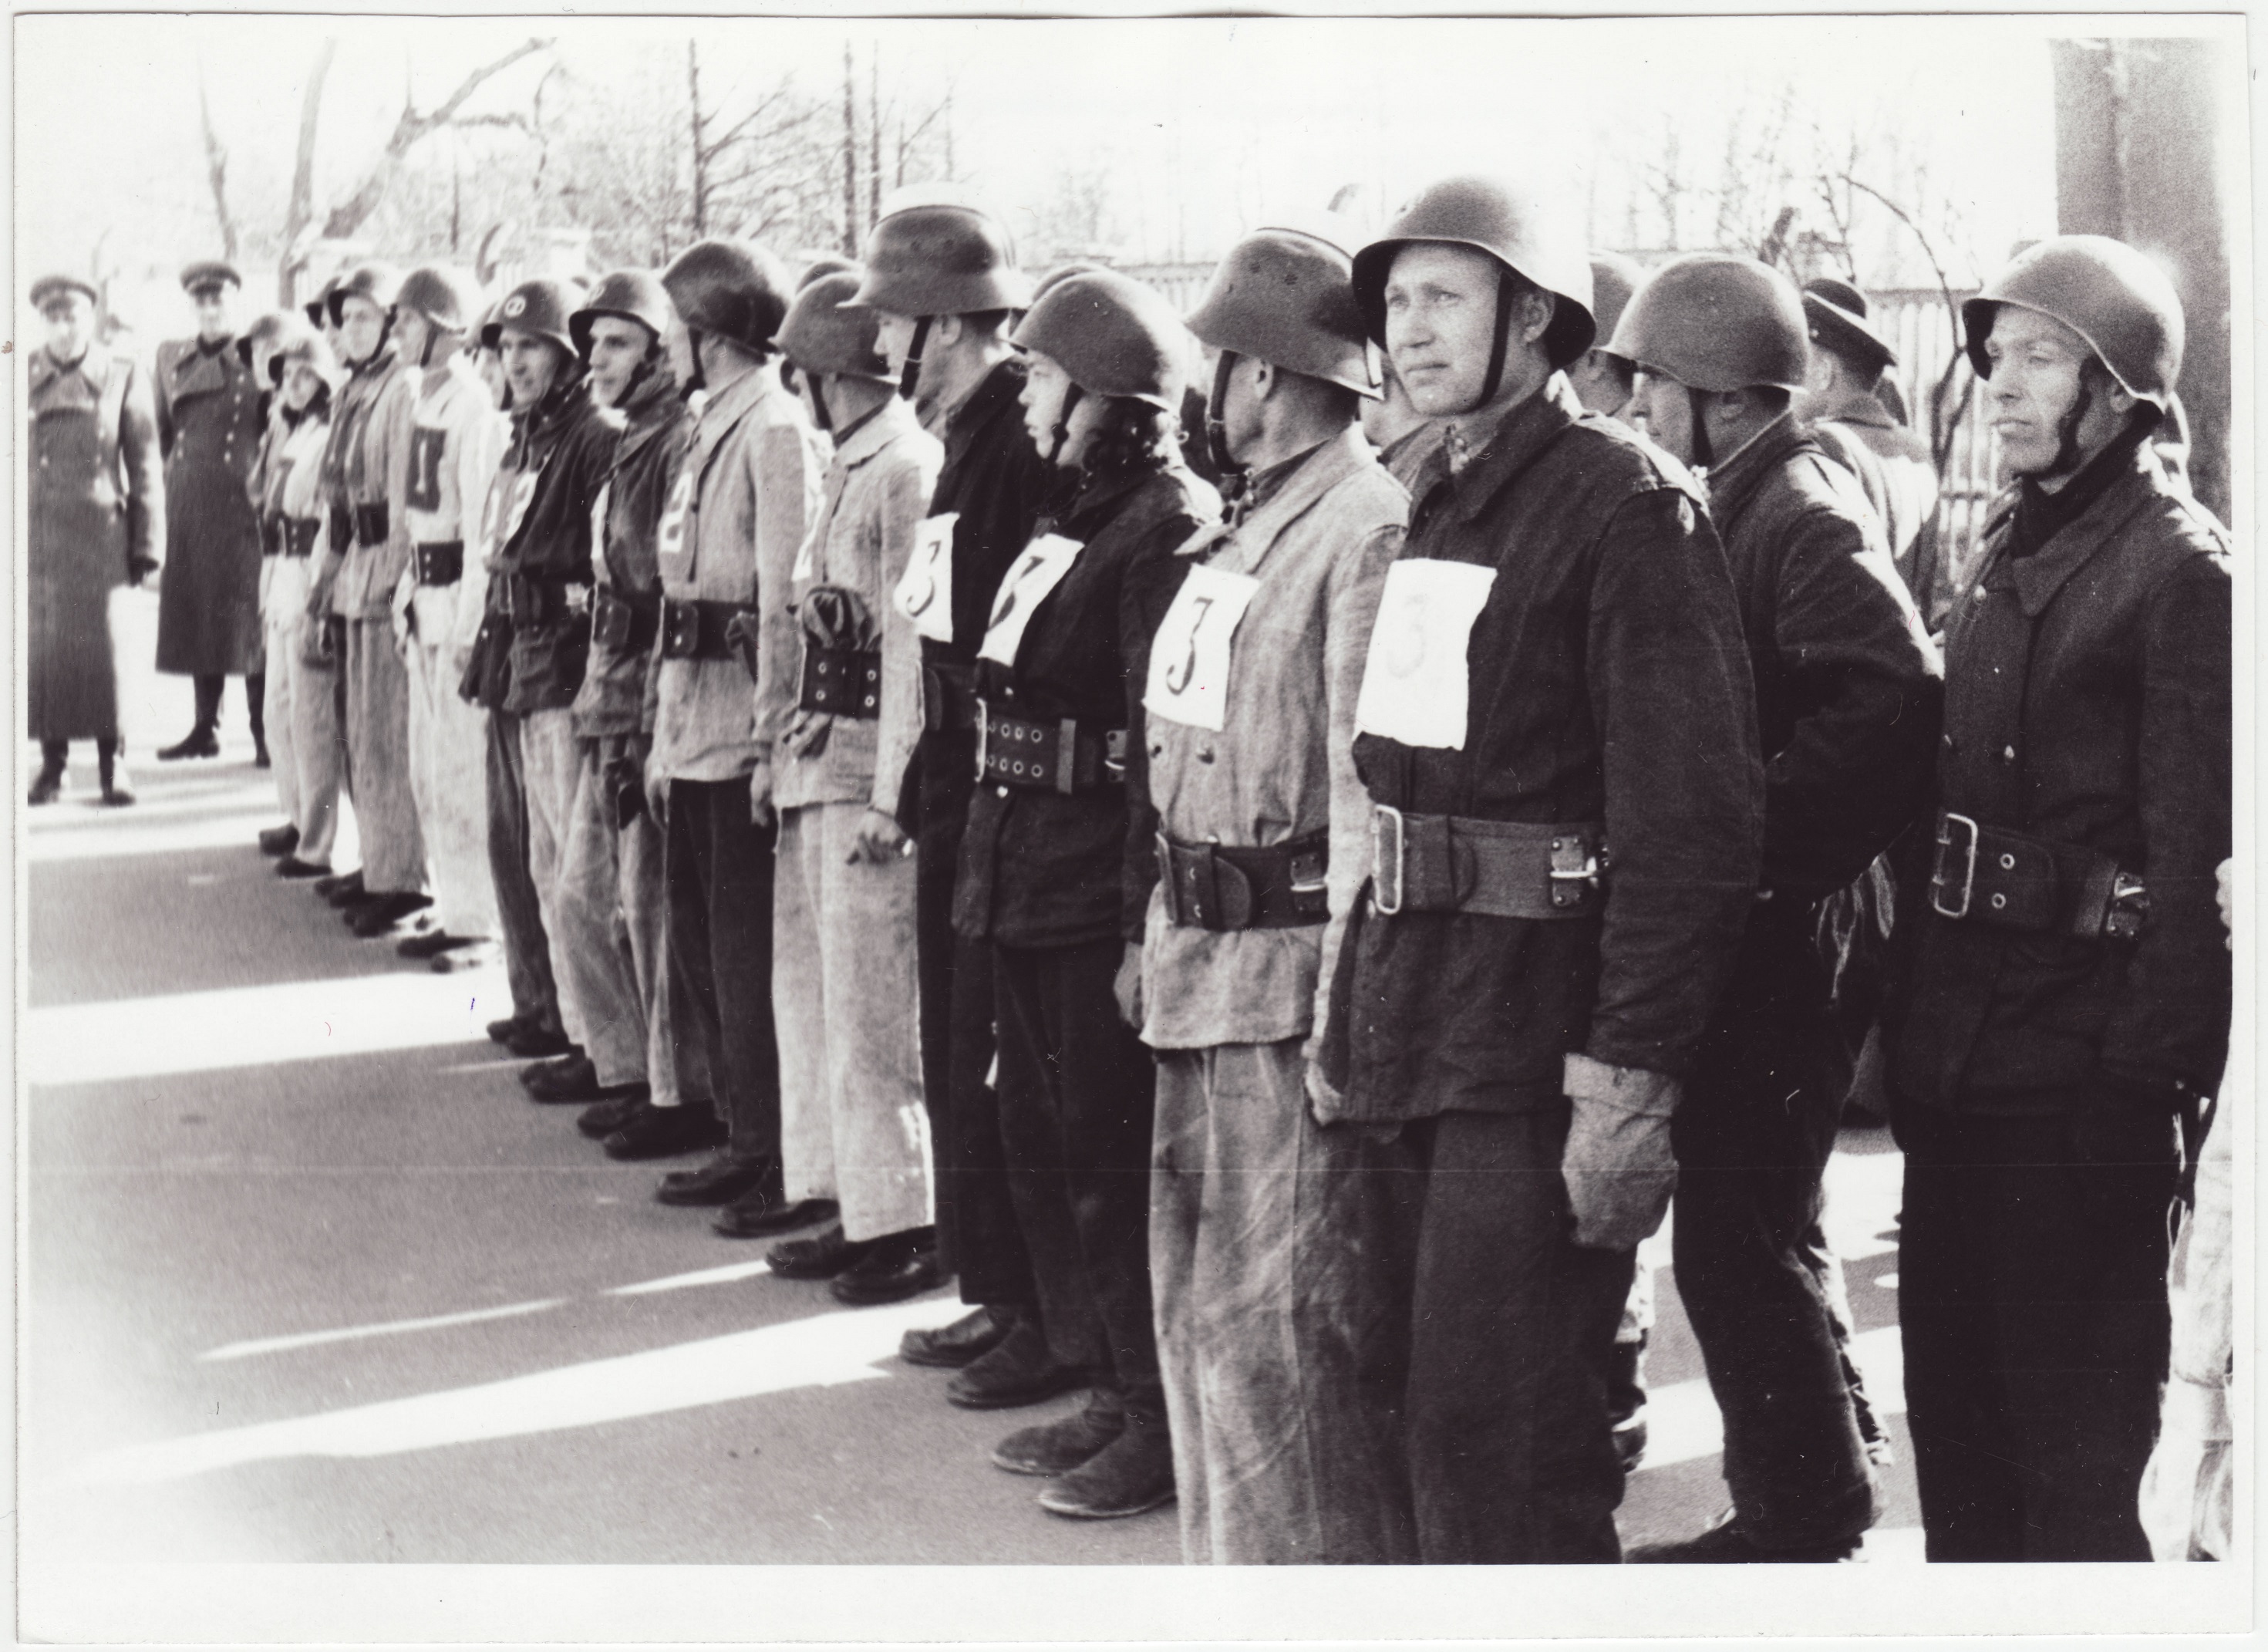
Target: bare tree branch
{"x": 217, "y": 171}
{"x": 301, "y": 212}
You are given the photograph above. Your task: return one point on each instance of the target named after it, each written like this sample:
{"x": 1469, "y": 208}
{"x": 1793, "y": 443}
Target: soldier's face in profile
{"x": 1660, "y": 407}
{"x": 1601, "y": 382}
{"x": 300, "y": 384}
{"x": 70, "y": 317}
{"x": 1440, "y": 324}
{"x": 617, "y": 346}
{"x": 489, "y": 363}
{"x": 895, "y": 339}
{"x": 416, "y": 334}
{"x": 531, "y": 365}
{"x": 1045, "y": 387}
{"x": 216, "y": 311}
{"x": 2038, "y": 367}
{"x": 362, "y": 324}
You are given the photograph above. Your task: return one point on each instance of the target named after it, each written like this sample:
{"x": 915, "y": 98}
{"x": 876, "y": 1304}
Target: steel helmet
{"x": 262, "y": 340}
{"x": 940, "y": 258}
{"x": 318, "y": 309}
{"x": 1613, "y": 279}
{"x": 1060, "y": 274}
{"x": 538, "y": 306}
{"x": 825, "y": 264}
{"x": 636, "y": 295}
{"x": 733, "y": 288}
{"x": 1112, "y": 335}
{"x": 449, "y": 298}
{"x": 824, "y": 333}
{"x": 1287, "y": 299}
{"x": 1717, "y": 321}
{"x": 307, "y": 345}
{"x": 2115, "y": 298}
{"x": 378, "y": 283}
{"x": 1513, "y": 226}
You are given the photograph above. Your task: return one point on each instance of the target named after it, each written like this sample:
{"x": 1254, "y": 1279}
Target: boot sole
{"x": 1078, "y": 1512}
{"x": 1037, "y": 1471}
{"x": 1016, "y": 1399}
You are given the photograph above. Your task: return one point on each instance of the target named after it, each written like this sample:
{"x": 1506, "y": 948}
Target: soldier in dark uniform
{"x": 1557, "y": 734}
{"x": 212, "y": 413}
{"x": 95, "y": 505}
{"x": 1059, "y": 857}
{"x": 1848, "y": 699}
{"x": 2069, "y": 995}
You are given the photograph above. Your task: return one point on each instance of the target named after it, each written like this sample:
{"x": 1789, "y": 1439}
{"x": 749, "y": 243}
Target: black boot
{"x": 55, "y": 756}
{"x": 279, "y": 840}
{"x": 114, "y": 791}
{"x": 200, "y": 741}
{"x": 256, "y": 698}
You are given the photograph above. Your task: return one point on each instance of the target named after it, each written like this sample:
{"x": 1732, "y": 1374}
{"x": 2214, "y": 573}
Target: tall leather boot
{"x": 114, "y": 790}
{"x": 255, "y": 694}
{"x": 48, "y": 786}
{"x": 200, "y": 741}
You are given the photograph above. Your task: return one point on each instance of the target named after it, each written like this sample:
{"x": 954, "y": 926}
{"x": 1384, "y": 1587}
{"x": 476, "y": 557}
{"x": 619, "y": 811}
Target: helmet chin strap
{"x": 1704, "y": 453}
{"x": 1061, "y": 431}
{"x": 1216, "y": 414}
{"x": 2068, "y": 458}
{"x": 695, "y": 380}
{"x": 819, "y": 413}
{"x": 909, "y": 376}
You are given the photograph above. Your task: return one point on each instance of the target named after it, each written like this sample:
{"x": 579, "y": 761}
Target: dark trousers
{"x": 1077, "y": 1097}
{"x": 2032, "y": 1306}
{"x": 1752, "y": 1135}
{"x": 519, "y": 917}
{"x": 717, "y": 864}
{"x": 208, "y": 687}
{"x": 978, "y": 1237}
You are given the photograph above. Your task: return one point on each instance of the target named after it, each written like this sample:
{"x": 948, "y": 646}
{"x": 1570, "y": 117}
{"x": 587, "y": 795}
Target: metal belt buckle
{"x": 1947, "y": 821}
{"x": 2128, "y": 910}
{"x": 1067, "y": 757}
{"x": 1383, "y": 815}
{"x": 578, "y": 597}
{"x": 983, "y": 735}
{"x": 1573, "y": 862}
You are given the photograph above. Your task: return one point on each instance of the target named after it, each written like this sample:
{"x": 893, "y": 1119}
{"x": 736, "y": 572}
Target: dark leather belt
{"x": 440, "y": 563}
{"x": 372, "y": 523}
{"x": 1220, "y": 887}
{"x": 1445, "y": 863}
{"x": 948, "y": 697}
{"x": 271, "y": 535}
{"x": 844, "y": 682}
{"x": 625, "y": 623}
{"x": 341, "y": 529}
{"x": 1987, "y": 874}
{"x": 697, "y": 631}
{"x": 1057, "y": 756}
{"x": 535, "y": 601}
{"x": 298, "y": 536}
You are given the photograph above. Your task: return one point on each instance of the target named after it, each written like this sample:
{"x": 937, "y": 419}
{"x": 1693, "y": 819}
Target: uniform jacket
{"x": 210, "y": 418}
{"x": 1899, "y": 479}
{"x": 549, "y": 479}
{"x": 372, "y": 426}
{"x": 2087, "y": 702}
{"x": 744, "y": 498}
{"x": 1282, "y": 765}
{"x": 96, "y": 511}
{"x": 1849, "y": 690}
{"x": 613, "y": 697}
{"x": 877, "y": 492}
{"x": 1607, "y": 684}
{"x": 291, "y": 464}
{"x": 457, "y": 439}
{"x": 1038, "y": 869}
{"x": 1406, "y": 456}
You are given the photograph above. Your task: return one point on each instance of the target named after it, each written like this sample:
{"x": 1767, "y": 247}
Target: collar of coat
{"x": 2038, "y": 577}
{"x": 895, "y": 418}
{"x": 1518, "y": 442}
{"x": 1315, "y": 474}
{"x": 654, "y": 407}
{"x": 94, "y": 366}
{"x": 1735, "y": 482}
{"x": 1856, "y": 407}
{"x": 190, "y": 369}
{"x": 722, "y": 413}
{"x": 994, "y": 398}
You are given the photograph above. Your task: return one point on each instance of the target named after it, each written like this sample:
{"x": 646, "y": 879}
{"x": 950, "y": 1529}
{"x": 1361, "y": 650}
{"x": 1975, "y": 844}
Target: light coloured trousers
{"x": 575, "y": 885}
{"x": 302, "y": 713}
{"x": 378, "y": 743}
{"x": 629, "y": 976}
{"x": 852, "y": 1125}
{"x": 448, "y": 776}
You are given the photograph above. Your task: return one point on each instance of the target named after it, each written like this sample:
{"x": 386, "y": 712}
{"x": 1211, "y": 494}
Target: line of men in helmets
{"x": 1280, "y": 958}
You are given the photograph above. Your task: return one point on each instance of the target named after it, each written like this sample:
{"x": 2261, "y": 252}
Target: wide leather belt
{"x": 440, "y": 563}
{"x": 1445, "y": 863}
{"x": 1987, "y": 874}
{"x": 697, "y": 630}
{"x": 372, "y": 523}
{"x": 1221, "y": 887}
{"x": 271, "y": 535}
{"x": 535, "y": 601}
{"x": 342, "y": 521}
{"x": 623, "y": 623}
{"x": 297, "y": 536}
{"x": 843, "y": 681}
{"x": 948, "y": 697}
{"x": 1054, "y": 756}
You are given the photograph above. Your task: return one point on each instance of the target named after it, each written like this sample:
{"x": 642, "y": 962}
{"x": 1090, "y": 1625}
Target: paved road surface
{"x": 310, "y": 1279}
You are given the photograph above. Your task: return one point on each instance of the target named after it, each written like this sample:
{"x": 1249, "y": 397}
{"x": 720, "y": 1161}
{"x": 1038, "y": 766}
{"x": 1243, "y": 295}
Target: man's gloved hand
{"x": 760, "y": 795}
{"x": 1321, "y": 1097}
{"x": 1618, "y": 1165}
{"x": 880, "y": 840}
{"x": 1128, "y": 987}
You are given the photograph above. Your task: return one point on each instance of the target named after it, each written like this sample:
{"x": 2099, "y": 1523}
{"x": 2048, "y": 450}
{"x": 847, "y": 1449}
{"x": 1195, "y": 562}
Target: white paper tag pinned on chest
{"x": 517, "y": 493}
{"x": 598, "y": 532}
{"x": 674, "y": 562}
{"x": 1414, "y": 685}
{"x": 1189, "y": 656}
{"x": 1023, "y": 588}
{"x": 924, "y": 591}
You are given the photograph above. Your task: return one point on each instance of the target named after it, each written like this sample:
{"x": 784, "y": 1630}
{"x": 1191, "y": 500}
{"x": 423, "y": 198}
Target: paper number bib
{"x": 1189, "y": 656}
{"x": 599, "y": 530}
{"x": 426, "y": 447}
{"x": 924, "y": 591}
{"x": 669, "y": 535}
{"x": 1026, "y": 586}
{"x": 1414, "y": 687}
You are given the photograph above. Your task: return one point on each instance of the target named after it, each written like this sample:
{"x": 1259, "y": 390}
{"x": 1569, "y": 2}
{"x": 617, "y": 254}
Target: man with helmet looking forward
{"x": 943, "y": 279}
{"x": 1558, "y": 735}
{"x": 456, "y": 438}
{"x": 2068, "y": 997}
{"x": 1279, "y": 1439}
{"x": 1848, "y": 699}
{"x": 745, "y": 494}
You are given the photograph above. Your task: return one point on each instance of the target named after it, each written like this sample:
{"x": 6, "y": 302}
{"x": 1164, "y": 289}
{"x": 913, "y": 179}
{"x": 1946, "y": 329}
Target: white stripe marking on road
{"x": 706, "y": 1276}
{"x": 1682, "y": 1424}
{"x": 387, "y": 1328}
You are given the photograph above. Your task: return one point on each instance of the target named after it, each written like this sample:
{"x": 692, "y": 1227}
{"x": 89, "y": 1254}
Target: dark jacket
{"x": 562, "y": 450}
{"x": 1849, "y": 690}
{"x": 1606, "y": 684}
{"x": 210, "y": 422}
{"x": 613, "y": 697}
{"x": 2088, "y": 704}
{"x": 1038, "y": 869}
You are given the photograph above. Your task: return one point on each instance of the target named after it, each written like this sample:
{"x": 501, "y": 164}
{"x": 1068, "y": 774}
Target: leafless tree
{"x": 216, "y": 170}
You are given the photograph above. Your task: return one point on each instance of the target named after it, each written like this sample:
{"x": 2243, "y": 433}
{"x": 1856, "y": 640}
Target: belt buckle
{"x": 1384, "y": 815}
{"x": 983, "y": 736}
{"x": 1573, "y": 862}
{"x": 2128, "y": 909}
{"x": 1947, "y": 821}
{"x": 578, "y": 597}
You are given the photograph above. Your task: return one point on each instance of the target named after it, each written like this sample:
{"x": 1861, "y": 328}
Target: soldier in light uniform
{"x": 843, "y": 980}
{"x": 1281, "y": 1423}
{"x": 2069, "y": 995}
{"x": 456, "y": 439}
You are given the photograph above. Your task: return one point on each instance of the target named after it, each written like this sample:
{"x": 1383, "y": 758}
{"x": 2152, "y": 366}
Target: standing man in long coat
{"x": 210, "y": 418}
{"x": 95, "y": 503}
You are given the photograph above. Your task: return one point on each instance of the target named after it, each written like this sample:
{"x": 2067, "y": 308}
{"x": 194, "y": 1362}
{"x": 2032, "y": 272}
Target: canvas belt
{"x": 1447, "y": 863}
{"x": 1057, "y": 756}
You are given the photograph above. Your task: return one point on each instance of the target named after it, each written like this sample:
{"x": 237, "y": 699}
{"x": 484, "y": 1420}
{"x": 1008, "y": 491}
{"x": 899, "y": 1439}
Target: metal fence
{"x": 1916, "y": 323}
